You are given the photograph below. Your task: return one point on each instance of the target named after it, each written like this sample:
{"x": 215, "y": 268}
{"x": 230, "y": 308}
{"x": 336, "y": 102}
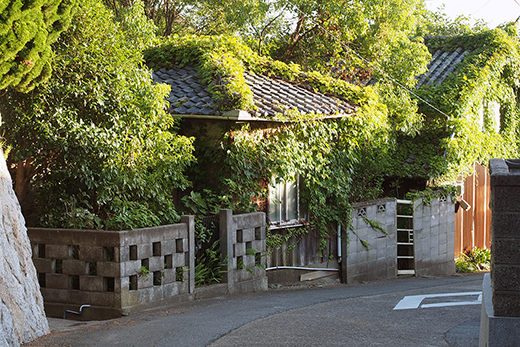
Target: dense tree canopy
{"x": 93, "y": 147}
{"x": 27, "y": 30}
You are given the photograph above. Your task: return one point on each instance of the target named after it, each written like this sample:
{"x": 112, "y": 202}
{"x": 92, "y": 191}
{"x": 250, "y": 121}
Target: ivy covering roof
{"x": 190, "y": 96}
{"x": 441, "y": 65}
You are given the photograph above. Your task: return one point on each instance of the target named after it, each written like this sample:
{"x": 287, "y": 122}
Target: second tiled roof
{"x": 442, "y": 64}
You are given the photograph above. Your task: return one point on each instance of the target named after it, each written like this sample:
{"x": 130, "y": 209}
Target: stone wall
{"x": 21, "y": 305}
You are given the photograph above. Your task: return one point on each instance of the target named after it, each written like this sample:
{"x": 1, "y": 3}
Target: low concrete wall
{"x": 115, "y": 272}
{"x": 118, "y": 272}
{"x": 378, "y": 259}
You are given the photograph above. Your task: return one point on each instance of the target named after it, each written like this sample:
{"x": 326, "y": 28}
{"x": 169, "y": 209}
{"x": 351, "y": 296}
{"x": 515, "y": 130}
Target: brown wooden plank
{"x": 480, "y": 206}
{"x": 458, "y": 232}
{"x": 468, "y": 216}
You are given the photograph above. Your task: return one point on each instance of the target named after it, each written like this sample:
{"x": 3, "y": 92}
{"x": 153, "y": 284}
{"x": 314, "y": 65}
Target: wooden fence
{"x": 472, "y": 227}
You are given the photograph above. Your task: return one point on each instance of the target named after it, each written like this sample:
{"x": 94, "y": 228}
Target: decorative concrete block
{"x": 54, "y": 251}
{"x": 144, "y": 250}
{"x": 156, "y": 264}
{"x": 91, "y": 283}
{"x": 91, "y": 253}
{"x": 57, "y": 281}
{"x": 109, "y": 269}
{"x": 74, "y": 267}
{"x": 130, "y": 268}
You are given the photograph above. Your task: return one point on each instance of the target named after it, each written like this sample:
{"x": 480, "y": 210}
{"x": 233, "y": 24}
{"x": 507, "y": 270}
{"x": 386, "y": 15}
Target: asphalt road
{"x": 340, "y": 315}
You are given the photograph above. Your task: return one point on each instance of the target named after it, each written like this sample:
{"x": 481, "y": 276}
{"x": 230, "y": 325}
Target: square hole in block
{"x": 109, "y": 284}
{"x": 57, "y": 266}
{"x": 168, "y": 261}
{"x": 132, "y": 283}
{"x": 41, "y": 250}
{"x": 41, "y": 279}
{"x": 258, "y": 233}
{"x": 179, "y": 245}
{"x": 108, "y": 254}
{"x": 249, "y": 245}
{"x": 258, "y": 258}
{"x": 240, "y": 235}
{"x": 74, "y": 252}
{"x": 74, "y": 282}
{"x": 157, "y": 278}
{"x": 92, "y": 268}
{"x": 156, "y": 249}
{"x": 179, "y": 273}
{"x": 145, "y": 263}
{"x": 133, "y": 252}
{"x": 240, "y": 262}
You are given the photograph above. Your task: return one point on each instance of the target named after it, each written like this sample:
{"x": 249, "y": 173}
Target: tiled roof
{"x": 272, "y": 95}
{"x": 442, "y": 64}
{"x": 190, "y": 96}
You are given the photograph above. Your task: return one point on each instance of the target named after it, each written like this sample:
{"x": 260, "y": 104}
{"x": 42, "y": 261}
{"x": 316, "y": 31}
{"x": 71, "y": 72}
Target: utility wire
{"x": 481, "y": 7}
{"x": 367, "y": 61}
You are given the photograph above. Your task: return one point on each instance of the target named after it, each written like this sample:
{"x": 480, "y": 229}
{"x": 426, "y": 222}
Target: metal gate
{"x": 405, "y": 238}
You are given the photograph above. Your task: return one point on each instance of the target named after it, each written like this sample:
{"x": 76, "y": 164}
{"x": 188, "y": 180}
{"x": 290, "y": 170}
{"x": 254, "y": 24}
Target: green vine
{"x": 375, "y": 225}
{"x": 429, "y": 194}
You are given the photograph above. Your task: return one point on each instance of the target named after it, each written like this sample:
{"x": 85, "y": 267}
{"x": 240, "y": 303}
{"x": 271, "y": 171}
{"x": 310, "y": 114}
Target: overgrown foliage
{"x": 27, "y": 30}
{"x": 93, "y": 147}
{"x": 474, "y": 260}
{"x": 480, "y": 99}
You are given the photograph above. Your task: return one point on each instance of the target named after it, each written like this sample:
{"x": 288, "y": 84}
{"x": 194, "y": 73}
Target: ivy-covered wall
{"x": 488, "y": 76}
{"x": 347, "y": 160}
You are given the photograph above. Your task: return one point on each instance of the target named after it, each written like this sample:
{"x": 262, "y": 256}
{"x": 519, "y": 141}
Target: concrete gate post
{"x": 500, "y": 320}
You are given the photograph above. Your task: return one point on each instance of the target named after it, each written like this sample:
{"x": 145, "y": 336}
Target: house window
{"x": 284, "y": 204}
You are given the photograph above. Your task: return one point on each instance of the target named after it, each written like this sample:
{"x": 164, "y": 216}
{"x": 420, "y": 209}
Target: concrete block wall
{"x": 115, "y": 272}
{"x": 379, "y": 260}
{"x": 434, "y": 237}
{"x": 243, "y": 241}
{"x": 434, "y": 241}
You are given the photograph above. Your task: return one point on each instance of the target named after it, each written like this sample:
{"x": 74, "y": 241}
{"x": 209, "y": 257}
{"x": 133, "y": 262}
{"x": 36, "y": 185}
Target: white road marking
{"x": 414, "y": 301}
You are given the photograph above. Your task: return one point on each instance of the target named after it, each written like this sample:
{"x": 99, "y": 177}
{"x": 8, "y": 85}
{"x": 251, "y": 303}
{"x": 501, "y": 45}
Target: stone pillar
{"x": 190, "y": 222}
{"x": 226, "y": 245}
{"x": 21, "y": 303}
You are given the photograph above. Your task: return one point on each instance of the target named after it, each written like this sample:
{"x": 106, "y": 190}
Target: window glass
{"x": 283, "y": 201}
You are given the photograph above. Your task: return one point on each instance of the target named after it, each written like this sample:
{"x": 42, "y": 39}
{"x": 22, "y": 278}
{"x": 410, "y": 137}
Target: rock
{"x": 22, "y": 316}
